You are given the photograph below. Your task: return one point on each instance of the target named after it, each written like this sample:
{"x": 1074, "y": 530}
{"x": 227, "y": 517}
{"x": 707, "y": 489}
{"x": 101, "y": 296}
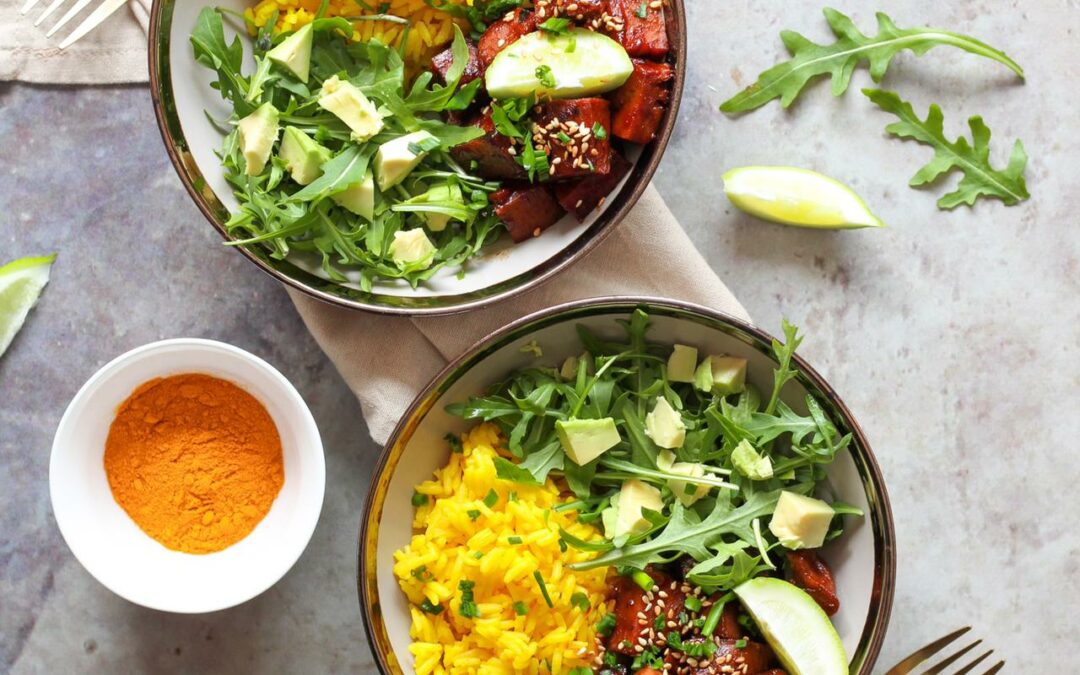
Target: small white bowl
{"x": 126, "y": 560}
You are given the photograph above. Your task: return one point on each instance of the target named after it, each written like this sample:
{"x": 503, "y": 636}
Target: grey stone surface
{"x": 952, "y": 336}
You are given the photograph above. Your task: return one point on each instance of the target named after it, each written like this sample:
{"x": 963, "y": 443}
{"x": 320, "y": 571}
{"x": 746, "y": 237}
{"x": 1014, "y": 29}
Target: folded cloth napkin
{"x": 386, "y": 360}
{"x": 113, "y": 53}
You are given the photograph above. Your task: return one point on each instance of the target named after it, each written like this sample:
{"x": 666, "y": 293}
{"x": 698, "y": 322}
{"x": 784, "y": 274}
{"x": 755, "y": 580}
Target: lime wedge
{"x": 21, "y": 282}
{"x": 794, "y": 626}
{"x": 792, "y": 196}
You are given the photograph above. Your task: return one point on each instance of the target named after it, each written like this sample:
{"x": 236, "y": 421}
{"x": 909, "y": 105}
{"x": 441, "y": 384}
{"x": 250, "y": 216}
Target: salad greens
{"x": 809, "y": 60}
{"x": 722, "y": 528}
{"x": 981, "y": 179}
{"x": 278, "y": 213}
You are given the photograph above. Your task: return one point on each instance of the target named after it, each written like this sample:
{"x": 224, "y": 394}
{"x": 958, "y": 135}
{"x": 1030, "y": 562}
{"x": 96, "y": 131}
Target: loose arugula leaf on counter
{"x": 809, "y": 60}
{"x": 980, "y": 179}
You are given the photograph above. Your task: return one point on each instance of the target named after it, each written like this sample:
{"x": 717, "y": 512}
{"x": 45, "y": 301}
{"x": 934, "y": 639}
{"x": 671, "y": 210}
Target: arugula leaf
{"x": 784, "y": 373}
{"x": 339, "y": 173}
{"x": 980, "y": 179}
{"x": 839, "y": 60}
{"x": 683, "y": 535}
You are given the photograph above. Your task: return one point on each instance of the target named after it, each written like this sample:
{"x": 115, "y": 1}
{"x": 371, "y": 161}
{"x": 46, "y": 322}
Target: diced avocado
{"x": 680, "y": 365}
{"x": 349, "y": 104}
{"x": 686, "y": 492}
{"x": 294, "y": 53}
{"x": 412, "y": 247}
{"x": 664, "y": 425}
{"x": 303, "y": 157}
{"x": 359, "y": 197}
{"x": 585, "y": 440}
{"x": 721, "y": 375}
{"x": 396, "y": 158}
{"x": 568, "y": 371}
{"x": 444, "y": 193}
{"x": 749, "y": 463}
{"x": 800, "y": 522}
{"x": 258, "y": 132}
{"x": 626, "y": 514}
{"x": 578, "y": 64}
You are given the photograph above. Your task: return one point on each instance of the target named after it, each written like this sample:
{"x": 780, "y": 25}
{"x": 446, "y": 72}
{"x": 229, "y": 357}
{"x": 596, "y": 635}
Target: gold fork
{"x": 103, "y": 11}
{"x": 916, "y": 659}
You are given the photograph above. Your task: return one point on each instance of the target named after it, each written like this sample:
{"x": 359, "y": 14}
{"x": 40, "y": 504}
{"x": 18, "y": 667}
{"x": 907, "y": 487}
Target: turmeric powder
{"x": 196, "y": 461}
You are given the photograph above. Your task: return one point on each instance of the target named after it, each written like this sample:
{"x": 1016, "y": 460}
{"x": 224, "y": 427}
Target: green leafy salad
{"x": 361, "y": 174}
{"x": 673, "y": 454}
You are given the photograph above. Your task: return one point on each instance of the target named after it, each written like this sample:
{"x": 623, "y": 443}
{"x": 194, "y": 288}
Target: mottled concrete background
{"x": 953, "y": 337}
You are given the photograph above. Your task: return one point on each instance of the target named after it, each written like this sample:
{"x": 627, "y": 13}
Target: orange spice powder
{"x": 195, "y": 461}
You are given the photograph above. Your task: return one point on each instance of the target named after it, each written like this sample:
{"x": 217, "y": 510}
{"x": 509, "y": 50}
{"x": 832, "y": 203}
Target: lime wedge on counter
{"x": 794, "y": 626}
{"x": 21, "y": 282}
{"x": 792, "y": 196}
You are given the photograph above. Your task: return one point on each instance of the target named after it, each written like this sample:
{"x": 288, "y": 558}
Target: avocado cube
{"x": 303, "y": 157}
{"x": 626, "y": 516}
{"x": 800, "y": 522}
{"x": 680, "y": 365}
{"x": 397, "y": 158}
{"x": 359, "y": 198}
{"x": 585, "y": 440}
{"x": 721, "y": 375}
{"x": 294, "y": 53}
{"x": 258, "y": 132}
{"x": 687, "y": 492}
{"x": 345, "y": 101}
{"x": 412, "y": 247}
{"x": 664, "y": 425}
{"x": 749, "y": 463}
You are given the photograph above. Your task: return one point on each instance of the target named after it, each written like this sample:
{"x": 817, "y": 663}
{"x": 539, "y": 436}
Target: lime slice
{"x": 794, "y": 626}
{"x": 20, "y": 285}
{"x": 792, "y": 196}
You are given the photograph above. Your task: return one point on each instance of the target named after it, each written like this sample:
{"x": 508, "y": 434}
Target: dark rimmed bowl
{"x": 181, "y": 94}
{"x": 863, "y": 560}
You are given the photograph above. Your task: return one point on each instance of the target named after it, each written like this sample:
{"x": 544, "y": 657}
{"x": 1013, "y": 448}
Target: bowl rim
{"x": 880, "y": 515}
{"x": 172, "y": 135}
{"x": 303, "y": 416}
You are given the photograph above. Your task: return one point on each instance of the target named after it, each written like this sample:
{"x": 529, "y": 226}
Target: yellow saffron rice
{"x": 429, "y": 29}
{"x": 449, "y": 547}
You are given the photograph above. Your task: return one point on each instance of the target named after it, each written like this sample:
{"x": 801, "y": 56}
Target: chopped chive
{"x": 514, "y": 540}
{"x": 599, "y": 131}
{"x": 693, "y": 603}
{"x": 543, "y": 588}
{"x": 419, "y": 499}
{"x": 658, "y": 622}
{"x": 740, "y": 643}
{"x": 643, "y": 10}
{"x": 644, "y": 580}
{"x": 562, "y": 545}
{"x": 421, "y": 573}
{"x": 713, "y": 619}
{"x": 473, "y": 514}
{"x": 455, "y": 444}
{"x": 478, "y": 554}
{"x": 606, "y": 624}
{"x": 520, "y": 609}
{"x": 430, "y": 608}
{"x": 511, "y": 497}
{"x": 563, "y": 138}
{"x": 468, "y": 608}
{"x": 580, "y": 600}
{"x": 491, "y": 498}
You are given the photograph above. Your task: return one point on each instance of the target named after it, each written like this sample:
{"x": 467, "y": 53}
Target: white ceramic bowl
{"x": 863, "y": 560}
{"x": 183, "y": 98}
{"x": 126, "y": 560}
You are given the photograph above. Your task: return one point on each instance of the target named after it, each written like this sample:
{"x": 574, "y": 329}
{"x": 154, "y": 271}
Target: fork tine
{"x": 971, "y": 666}
{"x": 949, "y": 660}
{"x": 28, "y": 5}
{"x": 998, "y": 666}
{"x": 48, "y": 11}
{"x": 920, "y": 655}
{"x": 79, "y": 6}
{"x": 104, "y": 11}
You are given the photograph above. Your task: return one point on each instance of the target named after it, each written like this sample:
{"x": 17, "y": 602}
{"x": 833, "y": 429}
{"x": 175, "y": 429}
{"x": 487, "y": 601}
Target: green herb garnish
{"x": 980, "y": 179}
{"x": 419, "y": 500}
{"x": 429, "y": 608}
{"x": 467, "y": 608}
{"x": 473, "y": 514}
{"x": 514, "y": 541}
{"x": 598, "y": 131}
{"x": 580, "y": 600}
{"x": 557, "y": 26}
{"x": 606, "y": 625}
{"x": 786, "y": 80}
{"x": 491, "y": 498}
{"x": 543, "y": 588}
{"x": 643, "y": 9}
{"x": 545, "y": 76}
{"x": 520, "y": 609}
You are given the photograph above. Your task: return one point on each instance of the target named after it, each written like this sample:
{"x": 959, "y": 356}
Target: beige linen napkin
{"x": 387, "y": 360}
{"x": 115, "y": 52}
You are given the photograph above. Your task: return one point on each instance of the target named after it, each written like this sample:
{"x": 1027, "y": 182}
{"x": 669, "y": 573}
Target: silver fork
{"x": 909, "y": 664}
{"x": 103, "y": 11}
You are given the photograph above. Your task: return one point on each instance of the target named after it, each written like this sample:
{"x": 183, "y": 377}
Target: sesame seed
{"x": 579, "y": 203}
{"x": 537, "y": 232}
